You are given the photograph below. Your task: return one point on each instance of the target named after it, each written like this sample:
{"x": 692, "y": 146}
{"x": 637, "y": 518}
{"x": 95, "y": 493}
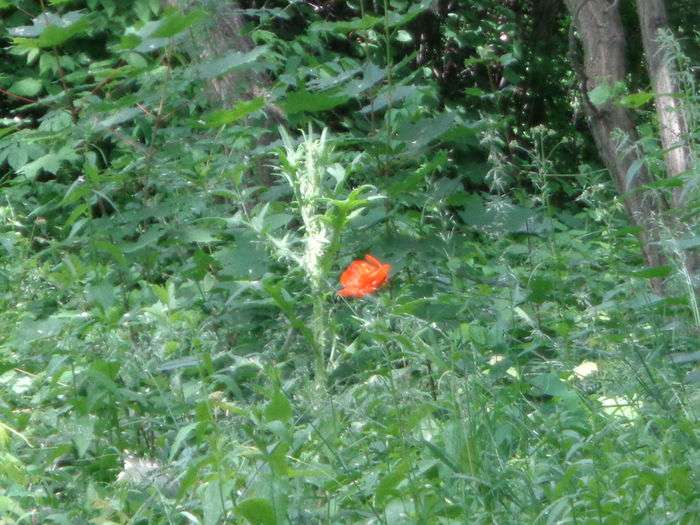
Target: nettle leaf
{"x": 636, "y": 100}
{"x": 51, "y": 30}
{"x": 258, "y": 511}
{"x": 238, "y": 112}
{"x": 400, "y": 19}
{"x": 550, "y": 384}
{"x": 346, "y": 26}
{"x": 390, "y": 96}
{"x": 303, "y": 101}
{"x": 419, "y": 134}
{"x": 278, "y": 408}
{"x": 27, "y": 87}
{"x": 387, "y": 486}
{"x": 50, "y": 162}
{"x": 654, "y": 273}
{"x": 604, "y": 93}
{"x": 224, "y": 64}
{"x": 123, "y": 115}
{"x": 175, "y": 23}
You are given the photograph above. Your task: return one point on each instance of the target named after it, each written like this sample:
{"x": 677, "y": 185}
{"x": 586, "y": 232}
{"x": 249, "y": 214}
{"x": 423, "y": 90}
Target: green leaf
{"x": 632, "y": 172}
{"x": 239, "y": 111}
{"x": 654, "y": 273}
{"x": 387, "y": 485}
{"x": 603, "y": 93}
{"x": 245, "y": 260}
{"x": 258, "y": 511}
{"x": 222, "y": 65}
{"x": 278, "y": 408}
{"x": 30, "y": 330}
{"x": 101, "y": 294}
{"x": 390, "y": 96}
{"x": 346, "y": 26}
{"x": 212, "y": 503}
{"x": 48, "y": 163}
{"x": 27, "y": 87}
{"x": 636, "y": 100}
{"x": 303, "y": 101}
{"x": 83, "y": 434}
{"x": 550, "y": 384}
{"x": 419, "y": 134}
{"x": 180, "y": 439}
{"x": 175, "y": 23}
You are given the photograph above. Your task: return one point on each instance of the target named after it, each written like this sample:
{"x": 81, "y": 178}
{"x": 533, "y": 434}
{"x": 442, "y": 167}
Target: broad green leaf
{"x": 245, "y": 260}
{"x": 258, "y": 511}
{"x": 27, "y": 87}
{"x": 212, "y": 503}
{"x": 102, "y": 294}
{"x": 239, "y": 111}
{"x": 653, "y": 273}
{"x": 604, "y": 93}
{"x": 175, "y": 23}
{"x": 30, "y": 330}
{"x": 632, "y": 172}
{"x": 388, "y": 484}
{"x": 222, "y": 65}
{"x": 121, "y": 116}
{"x": 550, "y": 384}
{"x": 303, "y": 101}
{"x": 390, "y": 96}
{"x": 346, "y": 26}
{"x": 151, "y": 236}
{"x": 83, "y": 430}
{"x": 50, "y": 162}
{"x": 636, "y": 100}
{"x": 278, "y": 408}
{"x": 417, "y": 135}
{"x": 180, "y": 439}
{"x": 51, "y": 29}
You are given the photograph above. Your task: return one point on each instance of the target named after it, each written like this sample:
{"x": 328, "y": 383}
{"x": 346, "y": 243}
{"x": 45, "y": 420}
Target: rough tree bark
{"x": 673, "y": 127}
{"x": 225, "y": 33}
{"x": 600, "y": 29}
{"x": 673, "y": 123}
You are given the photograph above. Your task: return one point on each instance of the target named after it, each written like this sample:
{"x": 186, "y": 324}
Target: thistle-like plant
{"x": 324, "y": 209}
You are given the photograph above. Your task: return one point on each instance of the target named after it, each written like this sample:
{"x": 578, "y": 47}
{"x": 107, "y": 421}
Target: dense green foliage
{"x": 173, "y": 350}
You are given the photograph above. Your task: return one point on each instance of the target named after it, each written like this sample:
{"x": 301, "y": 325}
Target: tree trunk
{"x": 600, "y": 28}
{"x": 663, "y": 74}
{"x": 225, "y": 33}
{"x": 673, "y": 124}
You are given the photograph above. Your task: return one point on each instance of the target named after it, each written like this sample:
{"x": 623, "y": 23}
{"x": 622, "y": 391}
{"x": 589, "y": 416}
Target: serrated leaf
{"x": 222, "y": 65}
{"x": 600, "y": 94}
{"x": 239, "y": 111}
{"x": 632, "y": 172}
{"x": 212, "y": 503}
{"x": 550, "y": 384}
{"x": 390, "y": 96}
{"x": 346, "y": 26}
{"x": 654, "y": 273}
{"x": 387, "y": 485}
{"x": 175, "y": 23}
{"x": 303, "y": 101}
{"x": 278, "y": 408}
{"x": 258, "y": 511}
{"x": 27, "y": 87}
{"x": 83, "y": 434}
{"x": 636, "y": 100}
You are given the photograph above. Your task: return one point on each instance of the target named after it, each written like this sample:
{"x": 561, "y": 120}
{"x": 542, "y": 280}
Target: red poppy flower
{"x": 363, "y": 277}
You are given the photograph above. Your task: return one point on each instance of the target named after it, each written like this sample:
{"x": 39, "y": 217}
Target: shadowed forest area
{"x": 361, "y": 261}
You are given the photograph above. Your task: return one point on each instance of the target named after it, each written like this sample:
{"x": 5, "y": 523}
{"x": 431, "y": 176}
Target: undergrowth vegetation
{"x": 173, "y": 346}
